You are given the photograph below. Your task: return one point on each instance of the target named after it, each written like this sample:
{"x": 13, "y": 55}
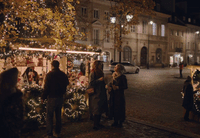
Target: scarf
{"x": 116, "y": 75}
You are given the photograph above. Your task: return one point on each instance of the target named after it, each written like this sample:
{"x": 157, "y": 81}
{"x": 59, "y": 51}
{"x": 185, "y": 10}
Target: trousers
{"x": 54, "y": 105}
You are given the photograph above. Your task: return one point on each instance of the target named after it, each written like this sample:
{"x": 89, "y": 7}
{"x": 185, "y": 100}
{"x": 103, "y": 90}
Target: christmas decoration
{"x": 34, "y": 110}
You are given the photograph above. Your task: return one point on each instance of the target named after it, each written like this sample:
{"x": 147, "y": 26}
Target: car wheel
{"x": 137, "y": 71}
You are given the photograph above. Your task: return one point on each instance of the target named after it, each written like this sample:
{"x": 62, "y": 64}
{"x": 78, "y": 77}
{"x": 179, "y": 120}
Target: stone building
{"x": 166, "y": 39}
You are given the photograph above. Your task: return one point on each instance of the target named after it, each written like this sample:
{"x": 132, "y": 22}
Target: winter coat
{"x": 117, "y": 99}
{"x": 98, "y": 100}
{"x": 188, "y": 101}
{"x": 55, "y": 84}
{"x": 11, "y": 115}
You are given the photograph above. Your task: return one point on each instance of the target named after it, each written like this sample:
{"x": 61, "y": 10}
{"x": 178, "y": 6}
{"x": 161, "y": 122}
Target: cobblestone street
{"x": 153, "y": 108}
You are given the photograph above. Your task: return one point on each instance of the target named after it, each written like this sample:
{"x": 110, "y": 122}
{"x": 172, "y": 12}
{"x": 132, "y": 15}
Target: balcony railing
{"x": 97, "y": 42}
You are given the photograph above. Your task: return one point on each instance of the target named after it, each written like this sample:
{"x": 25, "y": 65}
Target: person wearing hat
{"x": 55, "y": 85}
{"x": 30, "y": 74}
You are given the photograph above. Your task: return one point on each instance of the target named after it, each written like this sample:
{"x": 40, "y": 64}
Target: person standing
{"x": 188, "y": 97}
{"x": 11, "y": 105}
{"x": 98, "y": 99}
{"x": 181, "y": 69}
{"x": 117, "y": 98}
{"x": 55, "y": 86}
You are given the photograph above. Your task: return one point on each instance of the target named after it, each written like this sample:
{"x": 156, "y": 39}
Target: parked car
{"x": 129, "y": 68}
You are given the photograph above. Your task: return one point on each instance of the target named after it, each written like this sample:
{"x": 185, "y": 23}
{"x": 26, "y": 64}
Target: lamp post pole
{"x": 196, "y": 33}
{"x": 149, "y": 24}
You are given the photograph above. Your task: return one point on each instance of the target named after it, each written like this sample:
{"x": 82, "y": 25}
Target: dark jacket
{"x": 188, "y": 101}
{"x": 55, "y": 84}
{"x": 11, "y": 116}
{"x": 117, "y": 99}
{"x": 97, "y": 100}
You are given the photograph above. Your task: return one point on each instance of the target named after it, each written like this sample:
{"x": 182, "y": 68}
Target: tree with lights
{"x": 39, "y": 20}
{"x": 124, "y": 14}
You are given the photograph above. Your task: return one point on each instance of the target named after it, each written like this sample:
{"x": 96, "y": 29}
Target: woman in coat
{"x": 11, "y": 106}
{"x": 188, "y": 101}
{"x": 117, "y": 99}
{"x": 98, "y": 99}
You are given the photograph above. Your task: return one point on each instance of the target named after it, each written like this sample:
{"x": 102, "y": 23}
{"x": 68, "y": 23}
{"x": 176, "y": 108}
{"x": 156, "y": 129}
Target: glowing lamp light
{"x": 113, "y": 19}
{"x": 151, "y": 22}
{"x": 129, "y": 18}
{"x": 197, "y": 32}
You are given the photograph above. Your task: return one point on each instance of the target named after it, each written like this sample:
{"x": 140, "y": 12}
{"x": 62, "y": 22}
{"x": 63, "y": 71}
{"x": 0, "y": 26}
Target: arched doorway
{"x": 143, "y": 59}
{"x": 127, "y": 53}
{"x": 158, "y": 55}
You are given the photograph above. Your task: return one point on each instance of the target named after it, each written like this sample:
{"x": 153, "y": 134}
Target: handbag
{"x": 90, "y": 90}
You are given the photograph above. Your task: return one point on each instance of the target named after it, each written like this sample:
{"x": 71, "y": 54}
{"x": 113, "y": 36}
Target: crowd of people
{"x": 56, "y": 81}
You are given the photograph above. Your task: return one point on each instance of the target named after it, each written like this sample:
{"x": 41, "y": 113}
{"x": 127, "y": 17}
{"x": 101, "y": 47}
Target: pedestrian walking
{"x": 117, "y": 98}
{"x": 55, "y": 86}
{"x": 11, "y": 105}
{"x": 97, "y": 99}
{"x": 181, "y": 69}
{"x": 188, "y": 97}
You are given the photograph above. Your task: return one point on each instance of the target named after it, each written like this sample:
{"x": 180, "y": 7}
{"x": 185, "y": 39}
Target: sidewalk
{"x": 132, "y": 128}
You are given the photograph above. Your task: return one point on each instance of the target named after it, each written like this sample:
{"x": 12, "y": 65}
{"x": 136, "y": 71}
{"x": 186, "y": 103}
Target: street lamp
{"x": 150, "y": 23}
{"x": 196, "y": 33}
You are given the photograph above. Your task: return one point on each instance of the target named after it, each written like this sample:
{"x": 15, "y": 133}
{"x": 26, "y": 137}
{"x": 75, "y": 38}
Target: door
{"x": 143, "y": 59}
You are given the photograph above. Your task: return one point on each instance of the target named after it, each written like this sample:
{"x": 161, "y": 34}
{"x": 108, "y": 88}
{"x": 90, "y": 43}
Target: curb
{"x": 169, "y": 129}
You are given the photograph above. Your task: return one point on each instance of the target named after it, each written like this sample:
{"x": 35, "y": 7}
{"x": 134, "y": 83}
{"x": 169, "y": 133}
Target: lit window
{"x": 154, "y": 29}
{"x": 162, "y": 30}
{"x": 96, "y": 36}
{"x": 144, "y": 24}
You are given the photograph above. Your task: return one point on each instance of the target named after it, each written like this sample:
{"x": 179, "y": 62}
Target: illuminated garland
{"x": 34, "y": 110}
{"x": 76, "y": 105}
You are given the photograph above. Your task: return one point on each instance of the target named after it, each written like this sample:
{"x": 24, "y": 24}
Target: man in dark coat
{"x": 55, "y": 86}
{"x": 188, "y": 97}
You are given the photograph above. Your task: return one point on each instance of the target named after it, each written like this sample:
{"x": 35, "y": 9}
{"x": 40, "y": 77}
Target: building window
{"x": 154, "y": 28}
{"x": 83, "y": 30}
{"x": 96, "y": 14}
{"x": 144, "y": 24}
{"x": 171, "y": 45}
{"x": 189, "y": 20}
{"x": 96, "y": 36}
{"x": 127, "y": 52}
{"x": 106, "y": 15}
{"x": 84, "y": 11}
{"x": 193, "y": 47}
{"x": 171, "y": 32}
{"x": 107, "y": 36}
{"x": 162, "y": 30}
{"x": 175, "y": 32}
{"x": 182, "y": 33}
{"x": 132, "y": 29}
{"x": 176, "y": 45}
{"x": 178, "y": 33}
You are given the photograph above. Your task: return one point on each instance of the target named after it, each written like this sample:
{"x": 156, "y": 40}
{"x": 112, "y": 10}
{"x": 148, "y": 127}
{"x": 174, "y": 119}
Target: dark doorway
{"x": 143, "y": 60}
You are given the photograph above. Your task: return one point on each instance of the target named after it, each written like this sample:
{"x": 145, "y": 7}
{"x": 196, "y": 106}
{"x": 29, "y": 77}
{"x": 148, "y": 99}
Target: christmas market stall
{"x": 34, "y": 63}
{"x": 195, "y": 75}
